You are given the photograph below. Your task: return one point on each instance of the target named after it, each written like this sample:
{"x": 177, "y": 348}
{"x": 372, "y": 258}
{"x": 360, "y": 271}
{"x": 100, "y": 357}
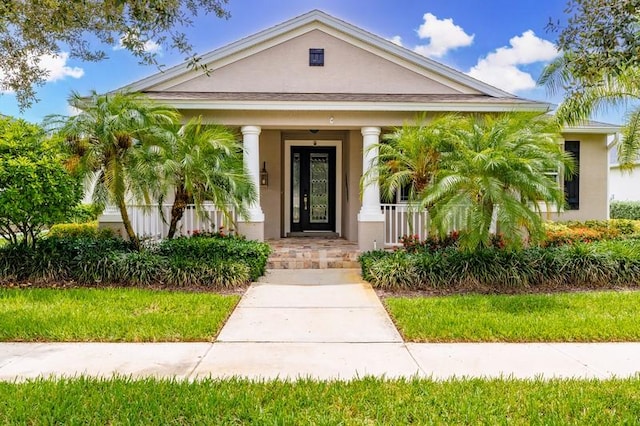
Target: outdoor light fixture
{"x": 264, "y": 176}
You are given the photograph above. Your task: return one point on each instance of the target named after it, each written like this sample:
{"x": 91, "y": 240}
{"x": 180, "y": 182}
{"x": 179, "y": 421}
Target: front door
{"x": 313, "y": 188}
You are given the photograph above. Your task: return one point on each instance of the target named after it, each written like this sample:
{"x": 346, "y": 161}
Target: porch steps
{"x": 312, "y": 253}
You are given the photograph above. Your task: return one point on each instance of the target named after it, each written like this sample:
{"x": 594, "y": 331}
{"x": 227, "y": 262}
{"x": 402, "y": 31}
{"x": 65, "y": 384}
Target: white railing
{"x": 151, "y": 222}
{"x": 401, "y": 220}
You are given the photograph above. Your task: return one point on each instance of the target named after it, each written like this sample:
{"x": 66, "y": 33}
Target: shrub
{"x": 82, "y": 230}
{"x": 368, "y": 258}
{"x": 252, "y": 253}
{"x": 37, "y": 189}
{"x": 625, "y": 210}
{"x": 571, "y": 236}
{"x": 83, "y": 213}
{"x": 140, "y": 268}
{"x": 603, "y": 263}
{"x": 189, "y": 272}
{"x": 397, "y": 271}
{"x": 413, "y": 244}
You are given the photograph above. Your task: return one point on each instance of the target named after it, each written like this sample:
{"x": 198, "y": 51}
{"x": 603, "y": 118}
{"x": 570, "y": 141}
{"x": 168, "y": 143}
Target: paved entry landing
{"x": 317, "y": 306}
{"x": 318, "y": 323}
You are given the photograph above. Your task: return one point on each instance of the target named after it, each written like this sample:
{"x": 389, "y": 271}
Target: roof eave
{"x": 355, "y": 106}
{"x": 606, "y": 130}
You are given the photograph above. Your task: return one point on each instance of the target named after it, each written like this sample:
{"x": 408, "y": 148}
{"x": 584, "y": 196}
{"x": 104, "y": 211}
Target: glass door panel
{"x": 313, "y": 188}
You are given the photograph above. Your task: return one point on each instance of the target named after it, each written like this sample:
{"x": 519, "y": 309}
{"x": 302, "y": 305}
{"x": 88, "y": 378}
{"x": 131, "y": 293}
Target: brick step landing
{"x": 313, "y": 253}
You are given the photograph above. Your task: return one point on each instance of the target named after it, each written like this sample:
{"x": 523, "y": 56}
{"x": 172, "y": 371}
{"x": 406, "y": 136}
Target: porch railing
{"x": 401, "y": 220}
{"x": 153, "y": 222}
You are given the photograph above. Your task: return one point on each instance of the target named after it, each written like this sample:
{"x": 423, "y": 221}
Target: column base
{"x": 251, "y": 230}
{"x": 370, "y": 236}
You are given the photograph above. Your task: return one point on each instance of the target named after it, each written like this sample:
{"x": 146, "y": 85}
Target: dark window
{"x": 572, "y": 185}
{"x": 316, "y": 57}
{"x": 404, "y": 193}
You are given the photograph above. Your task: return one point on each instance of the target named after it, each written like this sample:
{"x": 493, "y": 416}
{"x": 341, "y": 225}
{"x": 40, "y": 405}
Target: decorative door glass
{"x": 296, "y": 187}
{"x": 319, "y": 188}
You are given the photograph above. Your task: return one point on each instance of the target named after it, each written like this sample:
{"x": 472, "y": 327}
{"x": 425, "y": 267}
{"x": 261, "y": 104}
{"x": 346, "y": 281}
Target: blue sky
{"x": 503, "y": 42}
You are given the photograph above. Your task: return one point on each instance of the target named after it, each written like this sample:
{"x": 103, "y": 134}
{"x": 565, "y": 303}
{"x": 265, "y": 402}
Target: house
{"x": 623, "y": 184}
{"x": 310, "y": 95}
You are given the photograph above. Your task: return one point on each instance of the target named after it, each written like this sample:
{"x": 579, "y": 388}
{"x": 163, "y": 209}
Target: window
{"x": 572, "y": 185}
{"x": 401, "y": 196}
{"x": 316, "y": 57}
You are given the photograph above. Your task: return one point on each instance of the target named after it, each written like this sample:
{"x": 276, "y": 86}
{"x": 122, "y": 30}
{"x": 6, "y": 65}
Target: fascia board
{"x": 352, "y": 106}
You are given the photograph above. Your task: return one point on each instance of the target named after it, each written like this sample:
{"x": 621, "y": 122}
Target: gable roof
{"x": 318, "y": 19}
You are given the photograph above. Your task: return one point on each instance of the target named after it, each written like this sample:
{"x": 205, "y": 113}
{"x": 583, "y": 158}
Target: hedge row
{"x": 624, "y": 210}
{"x": 608, "y": 263}
{"x": 202, "y": 261}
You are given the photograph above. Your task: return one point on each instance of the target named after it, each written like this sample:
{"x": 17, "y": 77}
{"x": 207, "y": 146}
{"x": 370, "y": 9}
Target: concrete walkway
{"x": 324, "y": 324}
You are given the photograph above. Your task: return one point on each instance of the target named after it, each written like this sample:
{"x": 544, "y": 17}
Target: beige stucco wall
{"x": 353, "y": 168}
{"x": 594, "y": 166}
{"x": 270, "y": 151}
{"x": 305, "y": 120}
{"x": 285, "y": 68}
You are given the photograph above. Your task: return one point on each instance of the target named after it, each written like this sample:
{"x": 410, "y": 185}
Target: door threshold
{"x": 313, "y": 234}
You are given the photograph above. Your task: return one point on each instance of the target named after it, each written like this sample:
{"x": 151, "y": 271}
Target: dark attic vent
{"x": 316, "y": 57}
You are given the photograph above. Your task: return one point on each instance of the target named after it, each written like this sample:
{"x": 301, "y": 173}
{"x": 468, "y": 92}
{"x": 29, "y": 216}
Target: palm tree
{"x": 204, "y": 163}
{"x": 109, "y": 138}
{"x": 477, "y": 169}
{"x": 585, "y": 96}
{"x": 408, "y": 160}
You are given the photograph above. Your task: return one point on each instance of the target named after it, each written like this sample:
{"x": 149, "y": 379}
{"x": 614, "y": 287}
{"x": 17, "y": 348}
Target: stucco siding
{"x": 285, "y": 68}
{"x": 354, "y": 171}
{"x": 594, "y": 203}
{"x": 270, "y": 151}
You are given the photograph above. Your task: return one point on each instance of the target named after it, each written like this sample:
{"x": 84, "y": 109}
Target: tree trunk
{"x": 127, "y": 225}
{"x": 177, "y": 210}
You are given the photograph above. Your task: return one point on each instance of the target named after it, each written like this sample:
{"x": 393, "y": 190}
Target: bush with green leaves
{"x": 36, "y": 189}
{"x": 83, "y": 213}
{"x": 220, "y": 248}
{"x": 85, "y": 230}
{"x": 603, "y": 264}
{"x": 625, "y": 210}
{"x": 88, "y": 260}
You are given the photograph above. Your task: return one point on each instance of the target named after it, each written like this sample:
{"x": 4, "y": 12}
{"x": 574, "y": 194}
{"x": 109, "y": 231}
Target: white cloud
{"x": 396, "y": 40}
{"x": 443, "y": 36}
{"x": 500, "y": 68}
{"x": 150, "y": 46}
{"x": 56, "y": 67}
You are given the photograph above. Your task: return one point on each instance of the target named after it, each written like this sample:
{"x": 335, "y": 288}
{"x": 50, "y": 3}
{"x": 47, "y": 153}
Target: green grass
{"x": 111, "y": 315}
{"x": 360, "y": 402}
{"x": 562, "y": 317}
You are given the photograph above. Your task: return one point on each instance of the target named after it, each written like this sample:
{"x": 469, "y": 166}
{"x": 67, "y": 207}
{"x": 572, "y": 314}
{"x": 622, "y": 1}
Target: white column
{"x": 251, "y": 158}
{"x": 370, "y": 210}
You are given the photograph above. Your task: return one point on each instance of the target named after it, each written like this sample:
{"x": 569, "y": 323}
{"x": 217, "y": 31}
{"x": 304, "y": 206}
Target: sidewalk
{"x": 324, "y": 324}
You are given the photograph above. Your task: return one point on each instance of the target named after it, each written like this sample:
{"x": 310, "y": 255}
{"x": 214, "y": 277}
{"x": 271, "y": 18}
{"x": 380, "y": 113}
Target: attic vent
{"x": 316, "y": 57}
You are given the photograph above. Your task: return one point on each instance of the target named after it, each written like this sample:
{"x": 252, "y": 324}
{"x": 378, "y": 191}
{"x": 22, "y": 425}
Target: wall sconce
{"x": 264, "y": 176}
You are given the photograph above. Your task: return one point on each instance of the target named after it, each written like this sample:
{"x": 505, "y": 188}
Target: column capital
{"x": 370, "y": 131}
{"x": 250, "y": 130}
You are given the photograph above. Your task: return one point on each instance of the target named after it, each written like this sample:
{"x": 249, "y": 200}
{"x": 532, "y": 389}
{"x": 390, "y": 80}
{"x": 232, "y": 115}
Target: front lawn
{"x": 111, "y": 315}
{"x": 560, "y": 317}
{"x": 305, "y": 402}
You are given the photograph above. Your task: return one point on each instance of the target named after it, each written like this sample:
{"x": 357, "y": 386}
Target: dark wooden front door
{"x": 313, "y": 188}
